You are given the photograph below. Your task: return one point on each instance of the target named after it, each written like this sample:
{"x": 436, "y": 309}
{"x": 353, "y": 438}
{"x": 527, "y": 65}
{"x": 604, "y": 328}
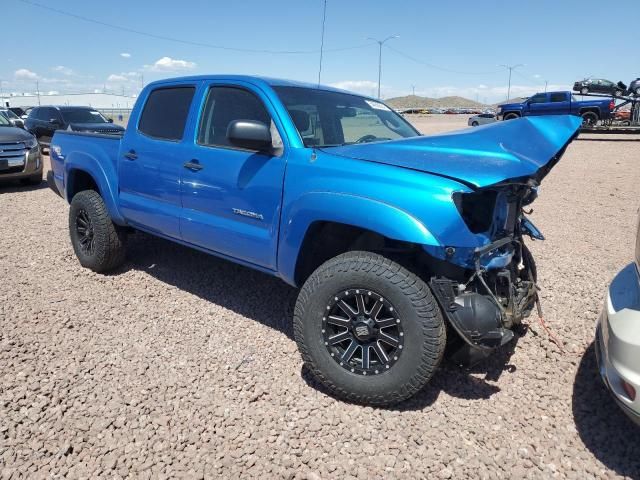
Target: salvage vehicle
{"x": 396, "y": 240}
{"x": 599, "y": 85}
{"x": 618, "y": 337}
{"x": 634, "y": 88}
{"x": 15, "y": 120}
{"x": 19, "y": 154}
{"x": 43, "y": 121}
{"x": 558, "y": 103}
{"x": 481, "y": 119}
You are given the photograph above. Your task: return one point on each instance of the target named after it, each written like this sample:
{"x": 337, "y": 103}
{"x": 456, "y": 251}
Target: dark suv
{"x": 43, "y": 121}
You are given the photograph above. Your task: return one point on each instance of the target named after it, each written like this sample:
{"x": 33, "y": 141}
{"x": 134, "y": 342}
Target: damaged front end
{"x": 485, "y": 291}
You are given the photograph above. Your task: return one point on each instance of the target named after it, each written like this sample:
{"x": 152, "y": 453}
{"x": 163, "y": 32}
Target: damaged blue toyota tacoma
{"x": 399, "y": 243}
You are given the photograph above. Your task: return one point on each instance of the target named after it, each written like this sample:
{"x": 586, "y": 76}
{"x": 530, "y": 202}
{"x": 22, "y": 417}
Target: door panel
{"x": 231, "y": 205}
{"x": 151, "y": 157}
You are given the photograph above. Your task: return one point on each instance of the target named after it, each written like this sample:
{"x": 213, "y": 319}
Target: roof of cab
{"x": 272, "y": 82}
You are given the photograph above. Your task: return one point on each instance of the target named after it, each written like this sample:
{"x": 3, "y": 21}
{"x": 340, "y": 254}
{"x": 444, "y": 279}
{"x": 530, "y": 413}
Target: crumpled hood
{"x": 479, "y": 156}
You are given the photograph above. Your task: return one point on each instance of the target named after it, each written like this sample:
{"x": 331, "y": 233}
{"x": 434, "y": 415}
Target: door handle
{"x": 193, "y": 165}
{"x": 131, "y": 155}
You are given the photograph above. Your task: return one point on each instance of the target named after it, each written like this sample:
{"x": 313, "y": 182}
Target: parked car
{"x": 623, "y": 116}
{"x": 618, "y": 337}
{"x": 12, "y": 117}
{"x": 19, "y": 111}
{"x": 43, "y": 121}
{"x": 558, "y": 103}
{"x": 599, "y": 85}
{"x": 481, "y": 119}
{"x": 19, "y": 154}
{"x": 634, "y": 88}
{"x": 388, "y": 235}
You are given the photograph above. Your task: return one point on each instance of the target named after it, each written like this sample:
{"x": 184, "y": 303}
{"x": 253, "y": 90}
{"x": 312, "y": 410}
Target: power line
{"x": 185, "y": 42}
{"x": 436, "y": 67}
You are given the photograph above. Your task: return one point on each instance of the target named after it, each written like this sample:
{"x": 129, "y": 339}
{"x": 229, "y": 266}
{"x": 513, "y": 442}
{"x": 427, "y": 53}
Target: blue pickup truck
{"x": 397, "y": 241}
{"x": 558, "y": 103}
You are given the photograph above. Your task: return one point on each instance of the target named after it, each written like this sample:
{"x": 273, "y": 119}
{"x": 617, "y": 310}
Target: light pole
{"x": 324, "y": 19}
{"x": 380, "y": 43}
{"x": 510, "y": 68}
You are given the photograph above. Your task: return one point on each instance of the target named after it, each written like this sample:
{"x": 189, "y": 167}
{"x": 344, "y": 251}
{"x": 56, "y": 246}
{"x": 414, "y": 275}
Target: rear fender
{"x": 102, "y": 173}
{"x": 369, "y": 214}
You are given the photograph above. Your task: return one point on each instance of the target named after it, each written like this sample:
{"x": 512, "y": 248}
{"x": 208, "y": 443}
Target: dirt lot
{"x": 180, "y": 364}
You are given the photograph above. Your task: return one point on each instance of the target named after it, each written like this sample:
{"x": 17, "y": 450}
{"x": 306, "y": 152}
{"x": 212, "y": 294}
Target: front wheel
{"x": 97, "y": 241}
{"x": 584, "y": 90}
{"x": 474, "y": 124}
{"x": 368, "y": 329}
{"x": 511, "y": 116}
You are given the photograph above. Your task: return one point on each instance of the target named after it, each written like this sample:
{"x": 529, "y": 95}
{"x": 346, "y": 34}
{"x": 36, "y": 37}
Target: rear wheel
{"x": 638, "y": 91}
{"x": 368, "y": 329}
{"x": 97, "y": 241}
{"x": 584, "y": 90}
{"x": 618, "y": 93}
{"x": 589, "y": 118}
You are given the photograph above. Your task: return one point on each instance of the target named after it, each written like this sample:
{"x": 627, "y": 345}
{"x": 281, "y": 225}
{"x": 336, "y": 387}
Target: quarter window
{"x": 165, "y": 113}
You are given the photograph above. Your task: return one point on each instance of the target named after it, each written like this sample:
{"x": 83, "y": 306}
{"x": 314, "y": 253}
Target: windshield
{"x": 328, "y": 119}
{"x": 82, "y": 115}
{"x": 4, "y": 121}
{"x": 10, "y": 114}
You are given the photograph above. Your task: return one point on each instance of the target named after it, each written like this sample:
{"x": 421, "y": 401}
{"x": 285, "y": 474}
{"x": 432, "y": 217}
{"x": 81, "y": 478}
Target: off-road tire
{"x": 109, "y": 239}
{"x": 589, "y": 118}
{"x": 424, "y": 328}
{"x": 511, "y": 116}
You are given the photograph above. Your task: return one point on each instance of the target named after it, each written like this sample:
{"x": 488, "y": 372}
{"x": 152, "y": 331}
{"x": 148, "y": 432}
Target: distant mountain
{"x": 415, "y": 101}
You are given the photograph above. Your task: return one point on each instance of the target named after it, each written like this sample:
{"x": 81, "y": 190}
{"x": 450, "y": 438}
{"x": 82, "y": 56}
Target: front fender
{"x": 367, "y": 213}
{"x": 102, "y": 172}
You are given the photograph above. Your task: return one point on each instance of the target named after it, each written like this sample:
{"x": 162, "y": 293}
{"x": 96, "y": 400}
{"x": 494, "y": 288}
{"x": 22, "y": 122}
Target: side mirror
{"x": 249, "y": 134}
{"x": 110, "y": 120}
{"x": 55, "y": 122}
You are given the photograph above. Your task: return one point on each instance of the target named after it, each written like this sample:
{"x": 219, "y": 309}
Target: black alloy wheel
{"x": 85, "y": 232}
{"x": 362, "y": 331}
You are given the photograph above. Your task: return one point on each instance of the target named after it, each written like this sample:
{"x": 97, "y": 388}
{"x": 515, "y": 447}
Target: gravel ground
{"x": 183, "y": 365}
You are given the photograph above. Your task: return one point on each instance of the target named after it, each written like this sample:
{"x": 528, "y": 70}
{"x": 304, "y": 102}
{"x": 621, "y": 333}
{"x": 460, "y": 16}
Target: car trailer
{"x": 616, "y": 126}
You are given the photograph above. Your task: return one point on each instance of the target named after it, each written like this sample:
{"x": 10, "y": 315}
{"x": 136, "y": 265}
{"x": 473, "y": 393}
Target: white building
{"x": 101, "y": 101}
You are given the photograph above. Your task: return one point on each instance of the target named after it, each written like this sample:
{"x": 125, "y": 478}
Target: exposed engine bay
{"x": 485, "y": 302}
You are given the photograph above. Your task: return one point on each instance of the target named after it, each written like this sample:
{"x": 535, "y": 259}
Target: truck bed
{"x": 99, "y": 148}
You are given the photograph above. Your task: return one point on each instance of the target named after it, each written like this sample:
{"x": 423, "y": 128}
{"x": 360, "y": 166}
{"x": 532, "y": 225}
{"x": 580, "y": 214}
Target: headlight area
{"x": 486, "y": 290}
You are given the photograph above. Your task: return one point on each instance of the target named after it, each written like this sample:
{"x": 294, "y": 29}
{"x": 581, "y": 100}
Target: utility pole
{"x": 380, "y": 43}
{"x": 546, "y": 82}
{"x": 38, "y": 91}
{"x": 324, "y": 18}
{"x": 413, "y": 90}
{"x": 2, "y": 95}
{"x": 511, "y": 68}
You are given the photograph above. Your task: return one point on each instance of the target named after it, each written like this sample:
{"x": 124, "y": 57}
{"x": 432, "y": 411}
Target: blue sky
{"x": 463, "y": 41}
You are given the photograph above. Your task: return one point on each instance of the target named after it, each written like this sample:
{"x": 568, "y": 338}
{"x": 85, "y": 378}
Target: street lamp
{"x": 380, "y": 43}
{"x": 510, "y": 68}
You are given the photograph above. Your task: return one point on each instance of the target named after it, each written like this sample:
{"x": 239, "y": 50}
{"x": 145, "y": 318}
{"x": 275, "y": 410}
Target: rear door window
{"x": 558, "y": 97}
{"x": 165, "y": 113}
